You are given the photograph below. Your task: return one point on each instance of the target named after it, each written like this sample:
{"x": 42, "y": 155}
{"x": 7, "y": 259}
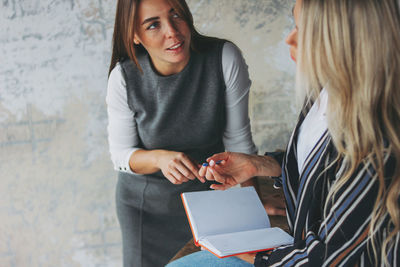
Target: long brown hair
{"x": 125, "y": 25}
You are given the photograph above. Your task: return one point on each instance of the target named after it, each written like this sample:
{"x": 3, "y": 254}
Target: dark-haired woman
{"x": 174, "y": 98}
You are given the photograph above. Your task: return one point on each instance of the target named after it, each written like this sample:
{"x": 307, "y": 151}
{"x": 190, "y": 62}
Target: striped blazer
{"x": 340, "y": 238}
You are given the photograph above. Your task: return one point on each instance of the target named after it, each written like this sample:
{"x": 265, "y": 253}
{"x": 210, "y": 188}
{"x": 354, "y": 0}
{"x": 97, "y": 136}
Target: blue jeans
{"x": 205, "y": 258}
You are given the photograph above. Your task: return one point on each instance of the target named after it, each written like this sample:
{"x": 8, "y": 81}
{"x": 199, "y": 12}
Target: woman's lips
{"x": 176, "y": 47}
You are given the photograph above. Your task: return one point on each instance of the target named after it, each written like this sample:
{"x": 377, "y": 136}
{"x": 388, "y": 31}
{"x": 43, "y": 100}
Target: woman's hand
{"x": 177, "y": 167}
{"x": 234, "y": 168}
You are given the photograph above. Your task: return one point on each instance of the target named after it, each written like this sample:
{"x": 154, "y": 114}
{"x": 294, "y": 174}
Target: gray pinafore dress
{"x": 182, "y": 112}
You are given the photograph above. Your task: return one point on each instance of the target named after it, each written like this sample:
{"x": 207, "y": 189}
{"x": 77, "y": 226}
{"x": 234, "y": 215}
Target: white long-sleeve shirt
{"x": 123, "y": 136}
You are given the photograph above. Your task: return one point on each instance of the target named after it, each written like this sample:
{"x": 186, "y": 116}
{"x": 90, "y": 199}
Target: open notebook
{"x": 231, "y": 222}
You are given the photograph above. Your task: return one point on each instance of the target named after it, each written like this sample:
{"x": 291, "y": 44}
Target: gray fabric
{"x": 153, "y": 222}
{"x": 182, "y": 112}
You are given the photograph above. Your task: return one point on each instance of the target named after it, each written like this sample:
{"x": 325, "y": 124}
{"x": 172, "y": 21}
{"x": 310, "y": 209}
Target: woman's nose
{"x": 170, "y": 29}
{"x": 291, "y": 38}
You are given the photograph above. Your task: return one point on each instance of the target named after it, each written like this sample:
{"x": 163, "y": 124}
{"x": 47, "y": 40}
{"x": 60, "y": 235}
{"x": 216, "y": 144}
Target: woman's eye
{"x": 152, "y": 26}
{"x": 175, "y": 15}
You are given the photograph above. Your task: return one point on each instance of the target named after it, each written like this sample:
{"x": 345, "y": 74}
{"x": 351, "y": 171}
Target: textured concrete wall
{"x": 56, "y": 180}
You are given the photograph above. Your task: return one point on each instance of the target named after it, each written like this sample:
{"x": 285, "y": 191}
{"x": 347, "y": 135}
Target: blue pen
{"x": 206, "y": 164}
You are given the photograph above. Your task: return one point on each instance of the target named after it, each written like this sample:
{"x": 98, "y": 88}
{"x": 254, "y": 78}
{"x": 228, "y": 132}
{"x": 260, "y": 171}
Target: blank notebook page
{"x": 219, "y": 212}
{"x": 247, "y": 241}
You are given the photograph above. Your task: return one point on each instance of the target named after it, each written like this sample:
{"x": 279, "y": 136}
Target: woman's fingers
{"x": 219, "y": 157}
{"x": 172, "y": 179}
{"x": 209, "y": 176}
{"x": 220, "y": 186}
{"x": 178, "y": 176}
{"x": 185, "y": 171}
{"x": 202, "y": 171}
{"x": 191, "y": 167}
{"x": 178, "y": 167}
{"x": 217, "y": 177}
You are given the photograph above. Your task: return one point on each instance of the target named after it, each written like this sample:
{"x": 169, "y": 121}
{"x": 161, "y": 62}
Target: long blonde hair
{"x": 352, "y": 48}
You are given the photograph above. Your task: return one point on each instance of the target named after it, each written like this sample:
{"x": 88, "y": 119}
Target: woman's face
{"x": 164, "y": 35}
{"x": 291, "y": 39}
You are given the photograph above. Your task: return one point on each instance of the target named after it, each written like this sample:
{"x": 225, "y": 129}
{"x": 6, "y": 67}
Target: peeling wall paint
{"x": 57, "y": 183}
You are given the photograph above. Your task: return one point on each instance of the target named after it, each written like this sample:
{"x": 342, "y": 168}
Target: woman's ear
{"x": 136, "y": 40}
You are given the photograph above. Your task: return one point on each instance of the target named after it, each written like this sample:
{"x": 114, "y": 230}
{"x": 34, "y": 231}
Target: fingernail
{"x": 212, "y": 163}
{"x": 205, "y": 164}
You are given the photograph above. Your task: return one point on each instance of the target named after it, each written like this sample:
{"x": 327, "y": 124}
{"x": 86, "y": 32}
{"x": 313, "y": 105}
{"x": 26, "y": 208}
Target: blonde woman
{"x": 341, "y": 170}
